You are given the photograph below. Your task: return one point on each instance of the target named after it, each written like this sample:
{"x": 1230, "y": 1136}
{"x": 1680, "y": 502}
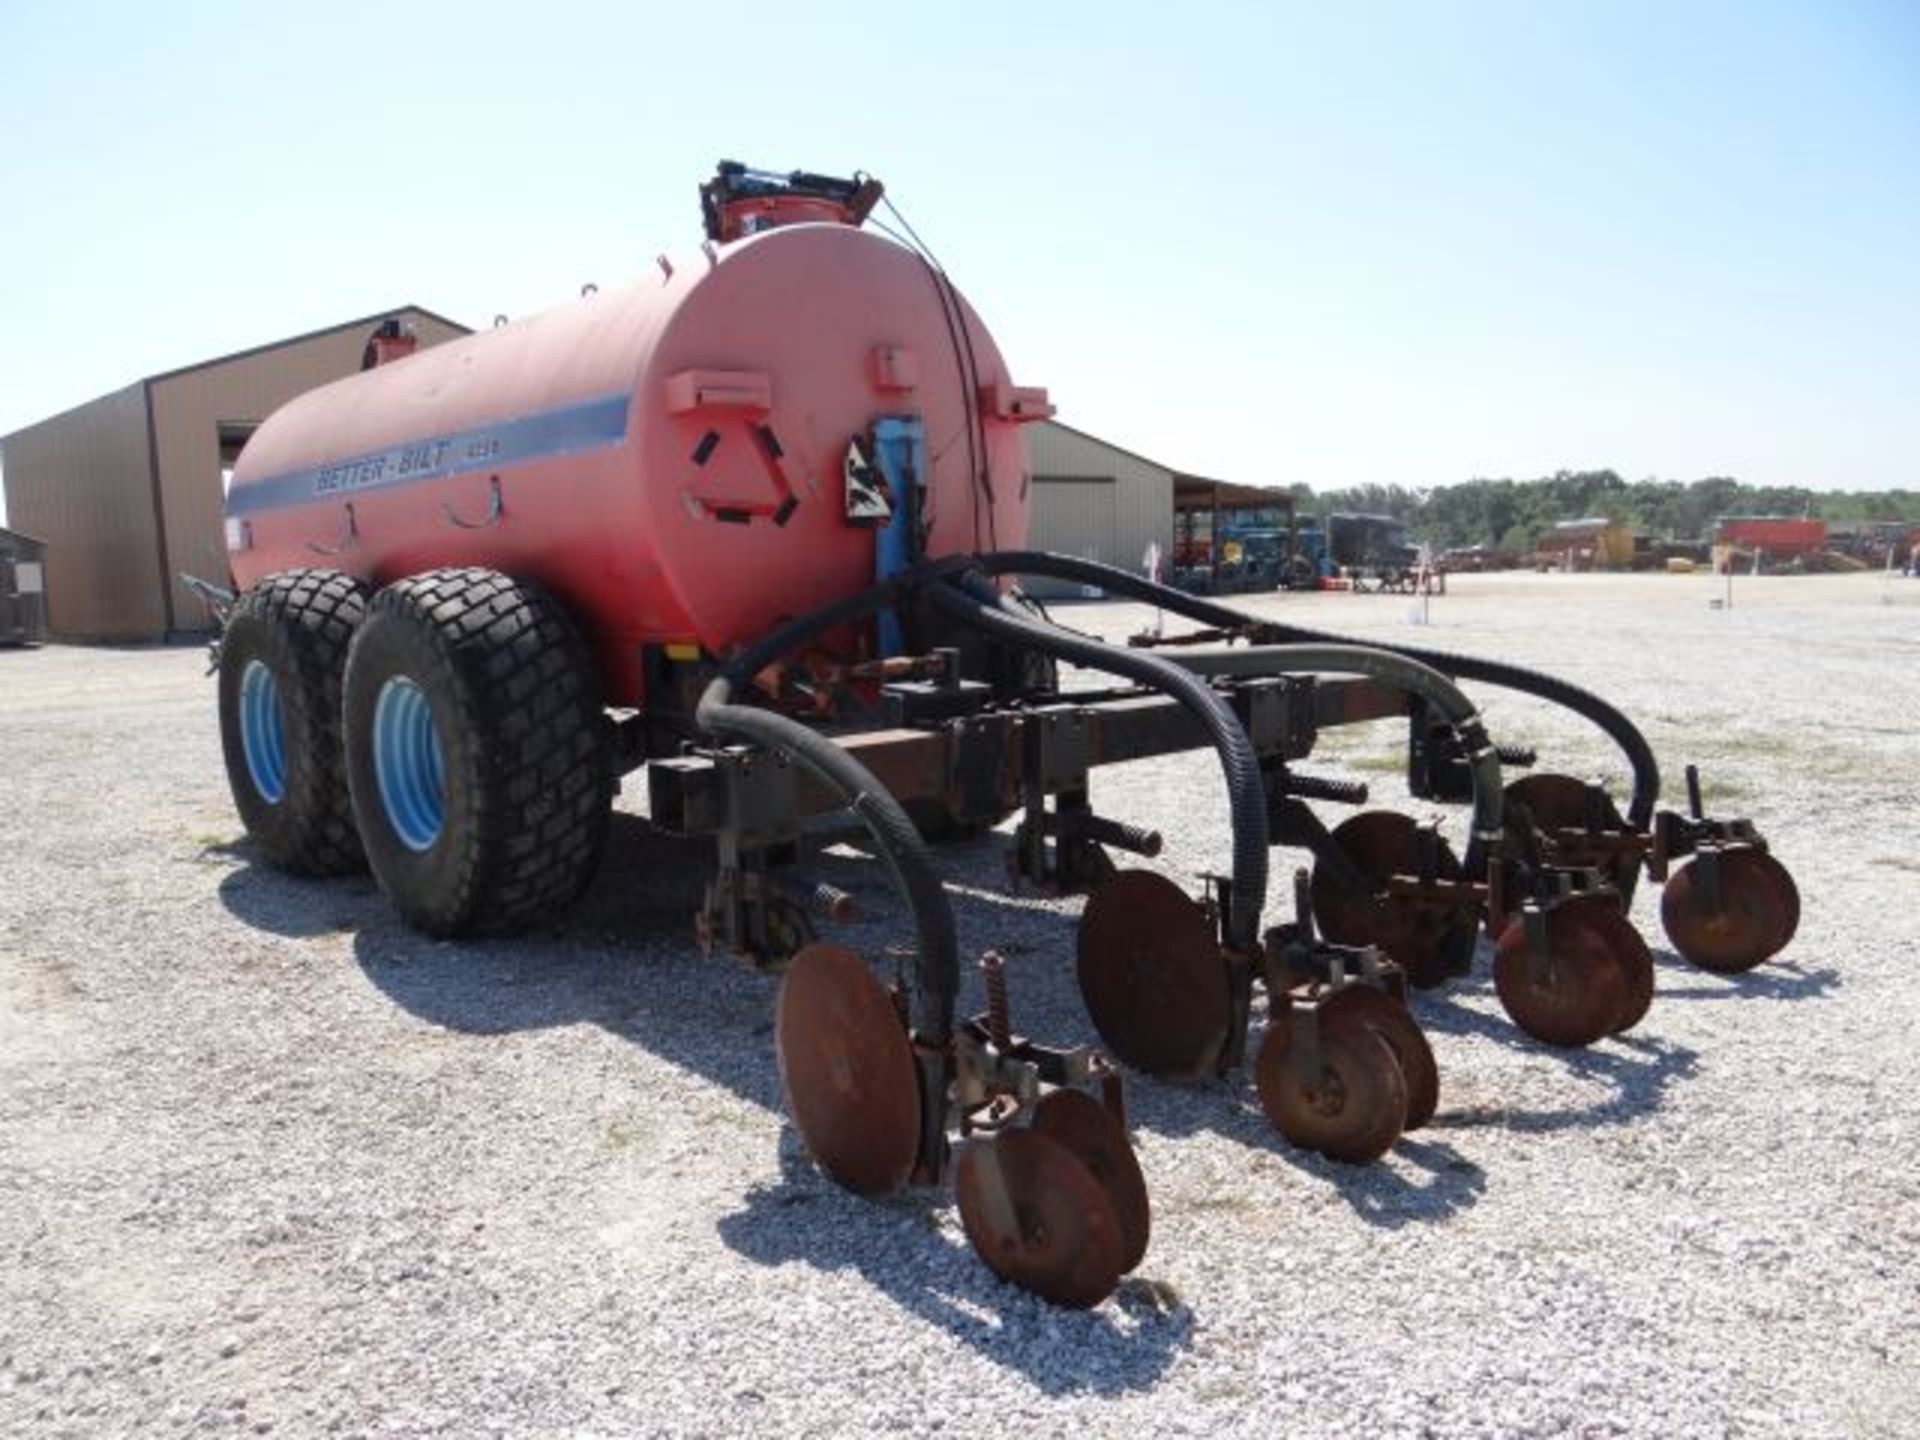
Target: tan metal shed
{"x": 126, "y": 490}
{"x": 1095, "y": 500}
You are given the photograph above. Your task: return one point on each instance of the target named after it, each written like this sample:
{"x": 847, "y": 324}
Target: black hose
{"x": 936, "y": 957}
{"x": 795, "y": 633}
{"x": 1622, "y": 731}
{"x": 1483, "y": 760}
{"x": 1246, "y": 794}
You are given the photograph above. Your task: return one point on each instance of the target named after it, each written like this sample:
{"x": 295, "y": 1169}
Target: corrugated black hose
{"x": 1246, "y": 794}
{"x": 1622, "y": 731}
{"x": 936, "y": 958}
{"x": 1483, "y": 760}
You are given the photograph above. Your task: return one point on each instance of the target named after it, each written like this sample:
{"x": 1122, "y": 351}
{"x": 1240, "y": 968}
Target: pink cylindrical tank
{"x": 668, "y": 458}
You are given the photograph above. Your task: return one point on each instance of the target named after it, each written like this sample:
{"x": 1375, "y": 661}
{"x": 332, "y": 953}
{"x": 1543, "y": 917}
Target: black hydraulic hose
{"x": 936, "y": 959}
{"x": 1617, "y": 727}
{"x": 1246, "y": 794}
{"x": 795, "y": 633}
{"x": 1622, "y": 731}
{"x": 1402, "y": 673}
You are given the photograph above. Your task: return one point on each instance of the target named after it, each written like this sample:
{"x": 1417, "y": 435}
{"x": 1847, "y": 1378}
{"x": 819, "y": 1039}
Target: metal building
{"x": 126, "y": 490}
{"x": 1095, "y": 500}
{"x": 22, "y": 588}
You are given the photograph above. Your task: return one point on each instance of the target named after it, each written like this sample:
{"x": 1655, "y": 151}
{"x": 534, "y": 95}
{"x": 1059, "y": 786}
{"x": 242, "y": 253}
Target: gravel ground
{"x": 271, "y": 1164}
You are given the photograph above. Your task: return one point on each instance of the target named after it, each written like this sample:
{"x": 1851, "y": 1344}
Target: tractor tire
{"x": 478, "y": 754}
{"x": 283, "y": 656}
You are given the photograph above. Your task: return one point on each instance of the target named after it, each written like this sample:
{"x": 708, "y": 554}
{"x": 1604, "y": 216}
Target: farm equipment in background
{"x": 1279, "y": 549}
{"x": 1236, "y": 539}
{"x": 1311, "y": 564}
{"x": 1372, "y": 552}
{"x": 695, "y": 528}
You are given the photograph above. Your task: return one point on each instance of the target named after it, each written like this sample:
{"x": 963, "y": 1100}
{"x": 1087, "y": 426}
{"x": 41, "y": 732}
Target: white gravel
{"x": 269, "y": 1163}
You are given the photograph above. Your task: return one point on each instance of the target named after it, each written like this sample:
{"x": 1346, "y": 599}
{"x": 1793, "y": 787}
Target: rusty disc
{"x": 1395, "y": 1024}
{"x": 1087, "y": 1128}
{"x": 1036, "y": 1215}
{"x": 1584, "y": 990}
{"x": 1424, "y": 941}
{"x": 1153, "y": 977}
{"x": 1759, "y": 912}
{"x": 1630, "y": 952}
{"x": 1791, "y": 889}
{"x": 847, "y": 1070}
{"x": 1354, "y": 1109}
{"x": 1559, "y": 802}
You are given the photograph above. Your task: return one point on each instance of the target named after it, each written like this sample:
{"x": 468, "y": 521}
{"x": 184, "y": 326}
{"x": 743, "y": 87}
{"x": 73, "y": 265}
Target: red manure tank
{"x": 667, "y": 457}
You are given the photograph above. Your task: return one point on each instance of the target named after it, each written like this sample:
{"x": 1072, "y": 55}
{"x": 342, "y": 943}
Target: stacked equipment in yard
{"x": 1779, "y": 536}
{"x": 750, "y": 525}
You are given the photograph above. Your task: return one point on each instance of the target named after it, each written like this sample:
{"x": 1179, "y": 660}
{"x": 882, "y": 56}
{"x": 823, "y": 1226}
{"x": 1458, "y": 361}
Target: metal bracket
{"x": 1540, "y": 967}
{"x": 900, "y": 455}
{"x": 347, "y": 537}
{"x": 495, "y": 508}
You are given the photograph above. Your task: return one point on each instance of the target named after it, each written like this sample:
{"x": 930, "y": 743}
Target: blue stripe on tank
{"x": 588, "y": 425}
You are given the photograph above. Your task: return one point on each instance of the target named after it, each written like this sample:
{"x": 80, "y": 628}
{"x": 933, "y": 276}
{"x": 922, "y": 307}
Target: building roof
{"x": 1106, "y": 444}
{"x": 1195, "y": 492}
{"x": 281, "y": 344}
{"x": 373, "y": 319}
{"x": 22, "y": 535}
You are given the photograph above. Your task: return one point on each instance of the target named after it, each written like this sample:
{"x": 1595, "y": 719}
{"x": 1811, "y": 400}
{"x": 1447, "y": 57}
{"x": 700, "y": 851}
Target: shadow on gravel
{"x": 268, "y": 899}
{"x": 1119, "y": 1348}
{"x": 1422, "y": 1182}
{"x": 1637, "y": 1069}
{"x": 1776, "y": 980}
{"x": 623, "y": 959}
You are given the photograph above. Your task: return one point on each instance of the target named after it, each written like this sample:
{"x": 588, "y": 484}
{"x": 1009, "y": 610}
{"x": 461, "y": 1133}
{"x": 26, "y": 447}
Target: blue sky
{"x": 1272, "y": 243}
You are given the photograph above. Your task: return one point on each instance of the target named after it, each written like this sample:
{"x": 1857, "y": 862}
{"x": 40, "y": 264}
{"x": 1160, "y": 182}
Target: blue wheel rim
{"x": 406, "y": 763}
{"x": 261, "y": 738}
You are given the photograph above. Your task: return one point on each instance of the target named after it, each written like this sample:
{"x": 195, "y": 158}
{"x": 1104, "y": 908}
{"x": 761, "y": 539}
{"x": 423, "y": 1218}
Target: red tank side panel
{"x": 667, "y": 458}
{"x": 538, "y": 412}
{"x": 807, "y": 307}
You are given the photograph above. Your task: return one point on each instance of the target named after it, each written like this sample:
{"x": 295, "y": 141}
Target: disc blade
{"x": 847, "y": 1070}
{"x": 1578, "y": 995}
{"x": 1089, "y": 1130}
{"x": 1153, "y": 977}
{"x": 1038, "y": 1218}
{"x": 1630, "y": 952}
{"x": 1395, "y": 1024}
{"x": 1354, "y": 1109}
{"x": 1383, "y": 843}
{"x": 1560, "y": 802}
{"x": 1758, "y": 914}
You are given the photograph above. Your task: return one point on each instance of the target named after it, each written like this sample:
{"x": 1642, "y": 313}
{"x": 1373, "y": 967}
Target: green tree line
{"x": 1511, "y": 514}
